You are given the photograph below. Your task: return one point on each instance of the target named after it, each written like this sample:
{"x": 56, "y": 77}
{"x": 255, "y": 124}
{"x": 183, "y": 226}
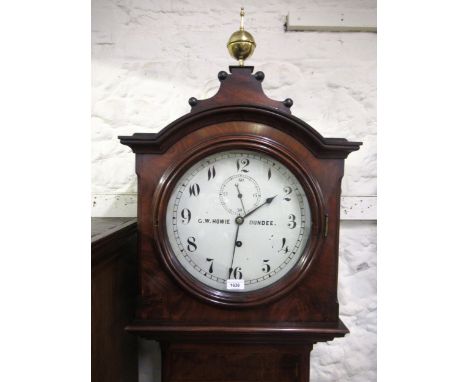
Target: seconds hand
{"x": 239, "y": 195}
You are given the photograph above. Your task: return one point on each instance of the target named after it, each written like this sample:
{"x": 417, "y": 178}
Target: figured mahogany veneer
{"x": 253, "y": 363}
{"x": 193, "y": 321}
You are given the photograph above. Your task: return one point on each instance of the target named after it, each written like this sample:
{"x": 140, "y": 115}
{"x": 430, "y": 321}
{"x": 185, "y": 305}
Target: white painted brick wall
{"x": 149, "y": 57}
{"x": 354, "y": 357}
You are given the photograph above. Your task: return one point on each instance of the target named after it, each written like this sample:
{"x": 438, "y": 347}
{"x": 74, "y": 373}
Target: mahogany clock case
{"x": 239, "y": 116}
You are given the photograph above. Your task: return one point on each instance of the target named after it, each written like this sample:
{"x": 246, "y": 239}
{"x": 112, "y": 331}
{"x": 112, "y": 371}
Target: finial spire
{"x": 242, "y": 13}
{"x": 241, "y": 44}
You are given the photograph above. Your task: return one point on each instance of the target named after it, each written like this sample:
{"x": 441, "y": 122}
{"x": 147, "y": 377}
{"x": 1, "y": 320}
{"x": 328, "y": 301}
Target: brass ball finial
{"x": 241, "y": 44}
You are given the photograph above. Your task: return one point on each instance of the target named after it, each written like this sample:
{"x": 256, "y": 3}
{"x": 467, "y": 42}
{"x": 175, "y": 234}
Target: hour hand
{"x": 267, "y": 201}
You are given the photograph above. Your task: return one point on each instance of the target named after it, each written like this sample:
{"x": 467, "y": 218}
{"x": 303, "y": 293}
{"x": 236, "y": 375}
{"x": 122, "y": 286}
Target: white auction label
{"x": 235, "y": 284}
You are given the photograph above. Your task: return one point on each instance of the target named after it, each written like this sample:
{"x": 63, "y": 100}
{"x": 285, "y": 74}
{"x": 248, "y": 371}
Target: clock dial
{"x": 238, "y": 220}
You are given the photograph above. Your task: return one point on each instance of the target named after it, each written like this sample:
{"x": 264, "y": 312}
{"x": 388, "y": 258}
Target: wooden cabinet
{"x": 114, "y": 352}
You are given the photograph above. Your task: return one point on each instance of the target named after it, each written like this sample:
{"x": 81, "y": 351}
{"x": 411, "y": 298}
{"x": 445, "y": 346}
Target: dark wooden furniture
{"x": 114, "y": 352}
{"x": 268, "y": 335}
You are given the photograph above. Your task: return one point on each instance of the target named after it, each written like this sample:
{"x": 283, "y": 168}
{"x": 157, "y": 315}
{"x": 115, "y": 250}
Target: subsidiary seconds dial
{"x": 239, "y": 216}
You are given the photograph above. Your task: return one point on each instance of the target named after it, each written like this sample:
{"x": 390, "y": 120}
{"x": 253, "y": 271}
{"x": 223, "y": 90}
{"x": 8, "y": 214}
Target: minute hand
{"x": 267, "y": 201}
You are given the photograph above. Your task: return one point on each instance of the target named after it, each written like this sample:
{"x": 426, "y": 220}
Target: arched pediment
{"x": 240, "y": 98}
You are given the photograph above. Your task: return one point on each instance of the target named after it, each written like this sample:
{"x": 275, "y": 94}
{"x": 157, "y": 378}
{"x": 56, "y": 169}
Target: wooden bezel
{"x": 195, "y": 287}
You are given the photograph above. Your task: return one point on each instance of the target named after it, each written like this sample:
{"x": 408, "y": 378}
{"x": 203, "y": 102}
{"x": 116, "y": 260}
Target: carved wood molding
{"x": 284, "y": 333}
{"x": 238, "y": 87}
{"x": 158, "y": 143}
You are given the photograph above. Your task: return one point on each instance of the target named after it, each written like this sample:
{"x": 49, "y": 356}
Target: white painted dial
{"x": 238, "y": 215}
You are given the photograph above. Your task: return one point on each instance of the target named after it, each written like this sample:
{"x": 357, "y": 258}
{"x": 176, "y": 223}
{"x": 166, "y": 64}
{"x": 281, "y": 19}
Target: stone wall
{"x": 149, "y": 57}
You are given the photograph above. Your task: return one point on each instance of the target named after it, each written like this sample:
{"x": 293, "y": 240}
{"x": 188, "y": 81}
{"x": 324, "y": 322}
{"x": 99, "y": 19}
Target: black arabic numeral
{"x": 292, "y": 221}
{"x": 236, "y": 273}
{"x": 284, "y": 247}
{"x": 211, "y": 265}
{"x": 287, "y": 190}
{"x": 186, "y": 215}
{"x": 266, "y": 267}
{"x": 242, "y": 164}
{"x": 269, "y": 173}
{"x": 191, "y": 246}
{"x": 211, "y": 172}
{"x": 194, "y": 190}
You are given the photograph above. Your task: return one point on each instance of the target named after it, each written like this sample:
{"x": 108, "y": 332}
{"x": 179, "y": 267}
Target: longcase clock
{"x": 238, "y": 223}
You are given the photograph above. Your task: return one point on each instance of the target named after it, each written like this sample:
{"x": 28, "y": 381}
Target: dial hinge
{"x": 325, "y": 228}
